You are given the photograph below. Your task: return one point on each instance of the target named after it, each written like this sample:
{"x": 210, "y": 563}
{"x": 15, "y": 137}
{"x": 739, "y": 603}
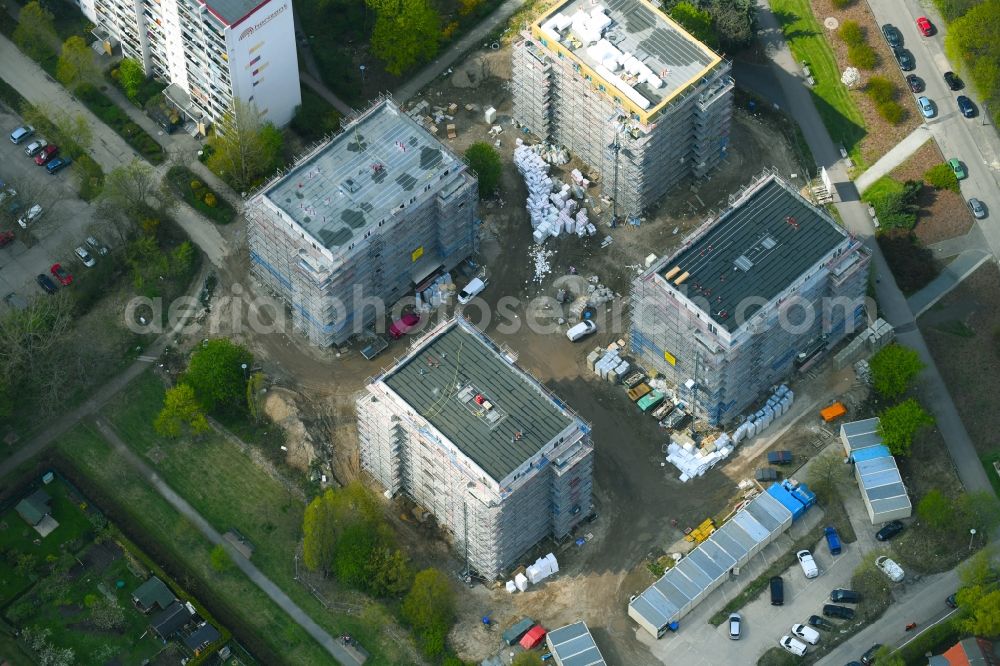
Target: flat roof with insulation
{"x": 631, "y": 45}
{"x": 475, "y": 395}
{"x": 755, "y": 249}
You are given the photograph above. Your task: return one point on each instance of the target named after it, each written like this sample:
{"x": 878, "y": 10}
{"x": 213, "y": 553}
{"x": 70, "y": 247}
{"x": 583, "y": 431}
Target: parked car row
{"x": 928, "y": 109}
{"x": 44, "y": 153}
{"x": 85, "y": 253}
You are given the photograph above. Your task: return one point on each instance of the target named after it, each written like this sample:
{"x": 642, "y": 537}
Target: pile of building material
{"x": 863, "y": 371}
{"x": 540, "y": 257}
{"x": 551, "y": 205}
{"x": 537, "y": 572}
{"x": 692, "y": 460}
{"x": 542, "y": 568}
{"x": 609, "y": 365}
{"x": 779, "y": 403}
{"x": 436, "y": 294}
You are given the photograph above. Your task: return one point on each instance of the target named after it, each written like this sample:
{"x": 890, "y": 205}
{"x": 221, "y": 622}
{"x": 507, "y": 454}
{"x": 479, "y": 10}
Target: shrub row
{"x": 199, "y": 196}
{"x": 883, "y": 93}
{"x": 859, "y": 51}
{"x": 118, "y": 120}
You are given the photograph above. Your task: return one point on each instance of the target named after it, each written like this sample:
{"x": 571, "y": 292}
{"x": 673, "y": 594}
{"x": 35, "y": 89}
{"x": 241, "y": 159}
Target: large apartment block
{"x": 369, "y": 215}
{"x": 727, "y": 315}
{"x": 209, "y": 52}
{"x": 498, "y": 460}
{"x": 626, "y": 90}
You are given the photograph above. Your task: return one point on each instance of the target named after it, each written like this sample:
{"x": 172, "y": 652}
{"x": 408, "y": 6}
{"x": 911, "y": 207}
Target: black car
{"x": 951, "y": 601}
{"x": 840, "y": 612}
{"x": 821, "y": 622}
{"x": 46, "y": 283}
{"x": 966, "y": 107}
{"x": 869, "y": 656}
{"x": 905, "y": 60}
{"x": 954, "y": 83}
{"x": 777, "y": 591}
{"x": 889, "y": 530}
{"x": 842, "y": 596}
{"x": 915, "y": 82}
{"x": 892, "y": 36}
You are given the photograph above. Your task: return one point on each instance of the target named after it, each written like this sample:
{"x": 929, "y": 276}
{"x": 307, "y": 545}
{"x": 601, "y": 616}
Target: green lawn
{"x": 230, "y": 491}
{"x": 805, "y": 36}
{"x": 94, "y": 459}
{"x": 18, "y": 538}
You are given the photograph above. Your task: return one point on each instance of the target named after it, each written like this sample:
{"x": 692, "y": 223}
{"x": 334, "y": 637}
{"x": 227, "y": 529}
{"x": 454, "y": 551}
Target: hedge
{"x": 880, "y": 89}
{"x": 199, "y": 196}
{"x": 942, "y": 177}
{"x": 115, "y": 118}
{"x": 862, "y": 55}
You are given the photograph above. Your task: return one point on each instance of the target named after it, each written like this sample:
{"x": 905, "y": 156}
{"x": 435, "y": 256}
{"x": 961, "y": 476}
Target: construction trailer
{"x": 724, "y": 317}
{"x": 877, "y": 474}
{"x": 500, "y": 461}
{"x": 360, "y": 221}
{"x": 628, "y": 91}
{"x": 662, "y": 605}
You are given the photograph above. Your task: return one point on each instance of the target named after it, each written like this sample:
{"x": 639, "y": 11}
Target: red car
{"x": 404, "y": 325}
{"x": 6, "y": 238}
{"x": 925, "y": 27}
{"x": 64, "y": 276}
{"x": 46, "y": 154}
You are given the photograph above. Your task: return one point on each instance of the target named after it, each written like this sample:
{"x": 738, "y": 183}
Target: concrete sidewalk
{"x": 962, "y": 267}
{"x": 892, "y": 159}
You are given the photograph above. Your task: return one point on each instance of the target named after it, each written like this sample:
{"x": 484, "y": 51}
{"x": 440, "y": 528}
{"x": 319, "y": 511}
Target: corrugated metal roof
{"x": 573, "y": 645}
{"x": 440, "y": 380}
{"x": 754, "y": 250}
{"x": 681, "y": 587}
{"x": 875, "y": 467}
{"x": 870, "y": 453}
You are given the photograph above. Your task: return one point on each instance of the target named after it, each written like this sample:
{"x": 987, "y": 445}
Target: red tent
{"x": 534, "y": 636}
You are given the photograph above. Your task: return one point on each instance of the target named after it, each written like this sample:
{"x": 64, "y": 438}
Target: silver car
{"x": 97, "y": 246}
{"x": 32, "y": 215}
{"x": 977, "y": 208}
{"x": 34, "y": 147}
{"x": 84, "y": 257}
{"x": 735, "y": 626}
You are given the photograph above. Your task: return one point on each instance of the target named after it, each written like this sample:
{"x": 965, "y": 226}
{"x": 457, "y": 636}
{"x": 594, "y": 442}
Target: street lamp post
{"x": 246, "y": 377}
{"x": 362, "y": 68}
{"x": 972, "y": 536}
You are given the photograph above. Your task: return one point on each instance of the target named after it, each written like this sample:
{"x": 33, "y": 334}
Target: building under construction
{"x": 626, "y": 90}
{"x": 363, "y": 218}
{"x": 496, "y": 458}
{"x": 765, "y": 286}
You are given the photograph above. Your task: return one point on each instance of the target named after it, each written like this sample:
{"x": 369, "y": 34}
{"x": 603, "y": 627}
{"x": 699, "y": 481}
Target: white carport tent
{"x": 708, "y": 566}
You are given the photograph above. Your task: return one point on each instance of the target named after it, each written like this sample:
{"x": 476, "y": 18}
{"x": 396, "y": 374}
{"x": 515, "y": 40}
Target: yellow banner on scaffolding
{"x": 670, "y": 358}
{"x": 416, "y": 254}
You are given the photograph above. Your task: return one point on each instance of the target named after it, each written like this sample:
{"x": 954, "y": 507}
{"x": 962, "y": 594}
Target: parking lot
{"x": 49, "y": 240}
{"x": 698, "y": 643}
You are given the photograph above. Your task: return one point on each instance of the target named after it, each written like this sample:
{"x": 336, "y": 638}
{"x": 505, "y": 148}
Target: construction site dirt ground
{"x": 642, "y": 507}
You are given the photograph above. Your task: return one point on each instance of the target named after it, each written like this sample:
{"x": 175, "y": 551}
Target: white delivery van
{"x": 471, "y": 290}
{"x": 581, "y": 330}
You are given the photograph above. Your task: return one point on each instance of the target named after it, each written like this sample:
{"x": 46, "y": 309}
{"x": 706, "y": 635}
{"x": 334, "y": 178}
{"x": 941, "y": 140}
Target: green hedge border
{"x": 180, "y": 178}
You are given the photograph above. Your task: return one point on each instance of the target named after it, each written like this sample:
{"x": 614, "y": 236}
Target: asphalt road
{"x": 797, "y": 100}
{"x": 974, "y": 143}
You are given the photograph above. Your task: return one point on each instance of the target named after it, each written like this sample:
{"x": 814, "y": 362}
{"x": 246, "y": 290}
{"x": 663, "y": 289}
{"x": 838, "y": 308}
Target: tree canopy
{"x": 407, "y": 32}
{"x": 899, "y": 423}
{"x": 131, "y": 76}
{"x": 36, "y": 33}
{"x": 485, "y": 161}
{"x": 429, "y": 607}
{"x": 245, "y": 149}
{"x": 76, "y": 63}
{"x": 181, "y": 414}
{"x": 695, "y": 20}
{"x": 974, "y": 41}
{"x": 216, "y": 374}
{"x": 894, "y": 368}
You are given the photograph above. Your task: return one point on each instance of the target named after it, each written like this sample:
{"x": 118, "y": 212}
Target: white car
{"x": 807, "y": 563}
{"x": 735, "y": 626}
{"x": 471, "y": 290}
{"x": 32, "y": 215}
{"x": 34, "y": 147}
{"x": 890, "y": 568}
{"x": 583, "y": 329}
{"x": 808, "y": 634}
{"x": 84, "y": 257}
{"x": 796, "y": 647}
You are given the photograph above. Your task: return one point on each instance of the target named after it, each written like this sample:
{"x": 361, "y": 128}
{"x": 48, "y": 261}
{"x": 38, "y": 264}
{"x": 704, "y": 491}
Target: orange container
{"x": 834, "y": 411}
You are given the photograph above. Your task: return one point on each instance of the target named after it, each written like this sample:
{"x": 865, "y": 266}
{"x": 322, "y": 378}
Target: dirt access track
{"x": 642, "y": 507}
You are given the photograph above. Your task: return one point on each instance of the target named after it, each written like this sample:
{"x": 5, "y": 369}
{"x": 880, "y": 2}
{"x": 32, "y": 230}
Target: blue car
{"x": 926, "y": 106}
{"x": 57, "y": 164}
{"x": 832, "y": 540}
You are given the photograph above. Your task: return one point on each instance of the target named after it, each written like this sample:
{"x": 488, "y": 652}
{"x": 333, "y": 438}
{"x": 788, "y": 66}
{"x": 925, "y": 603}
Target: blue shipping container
{"x": 786, "y": 499}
